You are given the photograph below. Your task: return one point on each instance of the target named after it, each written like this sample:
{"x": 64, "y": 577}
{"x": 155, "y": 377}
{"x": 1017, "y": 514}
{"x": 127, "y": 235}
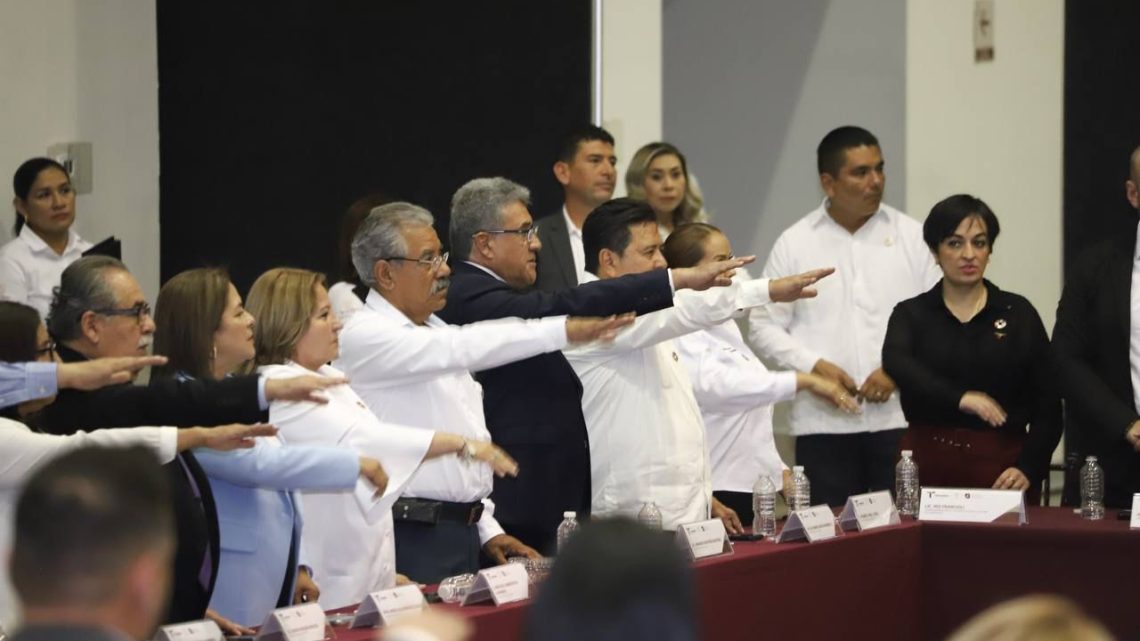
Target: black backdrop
{"x": 275, "y": 116}
{"x": 1102, "y": 120}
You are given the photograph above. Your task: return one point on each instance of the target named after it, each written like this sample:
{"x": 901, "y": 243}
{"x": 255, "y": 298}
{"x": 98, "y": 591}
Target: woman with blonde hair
{"x": 206, "y": 333}
{"x": 349, "y": 537}
{"x": 1032, "y": 618}
{"x": 658, "y": 174}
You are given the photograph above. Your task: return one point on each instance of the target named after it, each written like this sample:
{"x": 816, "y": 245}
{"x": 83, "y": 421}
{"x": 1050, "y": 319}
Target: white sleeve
{"x": 386, "y": 354}
{"x": 768, "y": 326}
{"x": 488, "y": 527}
{"x": 691, "y": 311}
{"x": 24, "y": 451}
{"x": 724, "y": 384}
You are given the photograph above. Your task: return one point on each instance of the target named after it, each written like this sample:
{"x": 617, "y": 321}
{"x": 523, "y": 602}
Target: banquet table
{"x": 916, "y": 581}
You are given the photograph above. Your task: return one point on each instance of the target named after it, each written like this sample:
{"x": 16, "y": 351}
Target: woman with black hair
{"x": 972, "y": 365}
{"x": 45, "y": 243}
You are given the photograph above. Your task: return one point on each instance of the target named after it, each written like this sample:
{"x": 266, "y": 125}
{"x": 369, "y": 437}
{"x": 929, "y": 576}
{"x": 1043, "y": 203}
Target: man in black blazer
{"x": 1097, "y": 344}
{"x": 587, "y": 170}
{"x": 533, "y": 407}
{"x": 93, "y": 537}
{"x": 99, "y": 311}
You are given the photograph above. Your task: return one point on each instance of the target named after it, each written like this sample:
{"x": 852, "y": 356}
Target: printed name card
{"x": 704, "y": 539}
{"x": 204, "y": 630}
{"x": 868, "y": 511}
{"x": 970, "y": 505}
{"x": 1135, "y": 523}
{"x": 386, "y": 606}
{"x": 503, "y": 584}
{"x": 816, "y": 523}
{"x": 304, "y": 622}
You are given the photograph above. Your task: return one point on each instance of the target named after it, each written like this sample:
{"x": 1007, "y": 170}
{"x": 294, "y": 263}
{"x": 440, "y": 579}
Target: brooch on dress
{"x": 999, "y": 325}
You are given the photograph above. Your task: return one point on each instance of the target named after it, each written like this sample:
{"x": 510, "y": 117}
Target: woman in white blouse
{"x": 733, "y": 388}
{"x": 348, "y": 536}
{"x": 45, "y": 243}
{"x": 23, "y": 338}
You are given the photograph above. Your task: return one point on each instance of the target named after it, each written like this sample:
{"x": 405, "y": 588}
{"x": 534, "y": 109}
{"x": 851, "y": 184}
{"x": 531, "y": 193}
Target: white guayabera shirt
{"x": 882, "y": 264}
{"x": 647, "y": 438}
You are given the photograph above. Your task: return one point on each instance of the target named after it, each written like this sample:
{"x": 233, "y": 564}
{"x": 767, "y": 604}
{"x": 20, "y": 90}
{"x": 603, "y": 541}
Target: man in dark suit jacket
{"x": 99, "y": 311}
{"x": 533, "y": 407}
{"x": 1096, "y": 340}
{"x": 587, "y": 170}
{"x": 93, "y": 537}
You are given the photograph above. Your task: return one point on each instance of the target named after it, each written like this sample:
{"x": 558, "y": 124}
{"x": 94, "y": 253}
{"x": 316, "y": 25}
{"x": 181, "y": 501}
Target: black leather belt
{"x": 431, "y": 512}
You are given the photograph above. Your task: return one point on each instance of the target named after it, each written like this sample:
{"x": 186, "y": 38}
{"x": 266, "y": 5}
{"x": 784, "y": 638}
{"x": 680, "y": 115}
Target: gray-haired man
{"x": 413, "y": 369}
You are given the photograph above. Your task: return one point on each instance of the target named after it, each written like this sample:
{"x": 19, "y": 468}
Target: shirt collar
{"x": 377, "y": 303}
{"x": 37, "y": 244}
{"x": 493, "y": 274}
{"x": 571, "y": 228}
{"x": 820, "y": 215}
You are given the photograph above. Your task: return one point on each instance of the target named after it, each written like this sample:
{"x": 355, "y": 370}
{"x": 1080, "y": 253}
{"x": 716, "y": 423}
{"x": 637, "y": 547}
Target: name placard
{"x": 970, "y": 505}
{"x": 305, "y": 622}
{"x": 503, "y": 584}
{"x": 869, "y": 511}
{"x": 204, "y": 630}
{"x": 386, "y": 606}
{"x": 816, "y": 523}
{"x": 1134, "y": 524}
{"x": 704, "y": 539}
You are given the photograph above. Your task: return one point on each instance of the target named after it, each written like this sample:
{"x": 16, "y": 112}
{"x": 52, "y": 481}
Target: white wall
{"x": 751, "y": 86}
{"x": 993, "y": 130}
{"x": 87, "y": 70}
{"x": 631, "y": 76}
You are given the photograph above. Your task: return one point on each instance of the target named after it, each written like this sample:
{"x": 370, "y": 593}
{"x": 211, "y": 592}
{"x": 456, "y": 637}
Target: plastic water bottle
{"x": 801, "y": 490}
{"x": 454, "y": 588}
{"x": 1092, "y": 490}
{"x": 764, "y": 507}
{"x": 567, "y": 528}
{"x": 650, "y": 516}
{"x": 906, "y": 484}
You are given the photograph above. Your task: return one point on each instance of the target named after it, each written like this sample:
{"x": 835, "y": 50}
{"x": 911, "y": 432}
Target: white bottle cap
{"x": 797, "y": 468}
{"x": 569, "y": 515}
{"x": 907, "y": 453}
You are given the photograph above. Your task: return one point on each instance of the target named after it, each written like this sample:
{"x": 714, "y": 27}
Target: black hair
{"x": 607, "y": 227}
{"x": 587, "y": 133}
{"x": 616, "y": 581}
{"x": 831, "y": 154}
{"x": 945, "y": 217}
{"x": 82, "y": 519}
{"x": 25, "y": 177}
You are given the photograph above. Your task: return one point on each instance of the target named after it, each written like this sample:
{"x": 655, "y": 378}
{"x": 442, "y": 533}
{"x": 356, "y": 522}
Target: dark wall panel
{"x": 274, "y": 116}
{"x": 1102, "y": 120}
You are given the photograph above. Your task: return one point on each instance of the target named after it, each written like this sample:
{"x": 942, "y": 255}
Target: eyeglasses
{"x": 47, "y": 350}
{"x": 529, "y": 232}
{"x": 138, "y": 310}
{"x": 433, "y": 263}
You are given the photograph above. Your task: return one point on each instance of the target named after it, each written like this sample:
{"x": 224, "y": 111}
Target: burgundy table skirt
{"x": 908, "y": 582}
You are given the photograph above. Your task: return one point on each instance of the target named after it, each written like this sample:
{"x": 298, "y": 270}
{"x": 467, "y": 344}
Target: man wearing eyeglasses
{"x": 534, "y": 406}
{"x": 412, "y": 368}
{"x": 99, "y": 311}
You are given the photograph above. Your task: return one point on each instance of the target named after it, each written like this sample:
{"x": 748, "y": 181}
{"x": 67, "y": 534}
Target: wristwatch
{"x": 467, "y": 452}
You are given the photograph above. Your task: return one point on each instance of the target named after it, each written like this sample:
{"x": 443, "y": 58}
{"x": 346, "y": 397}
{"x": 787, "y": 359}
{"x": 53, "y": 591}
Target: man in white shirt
{"x": 647, "y": 438}
{"x": 880, "y": 260}
{"x": 413, "y": 369}
{"x": 587, "y": 170}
